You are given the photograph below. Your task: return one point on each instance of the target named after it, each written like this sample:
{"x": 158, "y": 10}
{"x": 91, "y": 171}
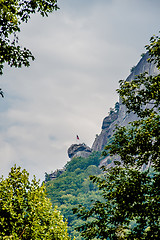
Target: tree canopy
{"x": 131, "y": 189}
{"x": 73, "y": 187}
{"x": 12, "y": 14}
{"x": 26, "y": 212}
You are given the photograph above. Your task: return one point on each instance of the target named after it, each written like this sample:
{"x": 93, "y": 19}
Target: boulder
{"x": 79, "y": 150}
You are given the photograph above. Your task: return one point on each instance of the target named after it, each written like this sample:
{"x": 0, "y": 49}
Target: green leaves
{"x": 26, "y": 212}
{"x": 12, "y": 14}
{"x": 73, "y": 187}
{"x": 129, "y": 207}
{"x": 154, "y": 50}
{"x": 141, "y": 95}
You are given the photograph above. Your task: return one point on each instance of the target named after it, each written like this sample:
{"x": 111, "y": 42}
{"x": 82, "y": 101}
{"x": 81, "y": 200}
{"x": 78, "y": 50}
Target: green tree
{"x": 130, "y": 209}
{"x": 12, "y": 14}
{"x": 73, "y": 187}
{"x": 132, "y": 196}
{"x": 26, "y": 212}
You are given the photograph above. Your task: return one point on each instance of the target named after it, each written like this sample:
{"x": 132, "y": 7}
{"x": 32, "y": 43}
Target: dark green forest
{"x": 73, "y": 187}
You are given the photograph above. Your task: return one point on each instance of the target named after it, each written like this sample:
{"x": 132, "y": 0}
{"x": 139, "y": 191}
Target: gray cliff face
{"x": 100, "y": 140}
{"x": 120, "y": 117}
{"x": 123, "y": 118}
{"x": 79, "y": 150}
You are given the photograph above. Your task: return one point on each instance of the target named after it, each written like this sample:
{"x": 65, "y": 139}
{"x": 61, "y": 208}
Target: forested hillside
{"x": 73, "y": 187}
{"x": 126, "y": 203}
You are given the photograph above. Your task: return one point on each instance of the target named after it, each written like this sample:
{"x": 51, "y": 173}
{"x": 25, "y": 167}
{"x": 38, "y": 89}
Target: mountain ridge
{"x": 116, "y": 117}
{"x": 71, "y": 186}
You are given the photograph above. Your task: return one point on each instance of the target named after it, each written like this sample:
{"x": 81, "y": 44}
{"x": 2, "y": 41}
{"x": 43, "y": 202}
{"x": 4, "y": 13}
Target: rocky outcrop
{"x": 53, "y": 175}
{"x": 123, "y": 118}
{"x": 79, "y": 150}
{"x": 105, "y": 134}
{"x": 117, "y": 116}
{"x": 109, "y": 119}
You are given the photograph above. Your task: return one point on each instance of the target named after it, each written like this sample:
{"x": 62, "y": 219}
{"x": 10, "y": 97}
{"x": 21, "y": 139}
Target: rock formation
{"x": 79, "y": 150}
{"x": 123, "y": 118}
{"x": 120, "y": 117}
{"x": 101, "y": 139}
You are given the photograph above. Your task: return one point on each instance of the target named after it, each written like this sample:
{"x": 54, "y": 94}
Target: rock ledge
{"x": 79, "y": 150}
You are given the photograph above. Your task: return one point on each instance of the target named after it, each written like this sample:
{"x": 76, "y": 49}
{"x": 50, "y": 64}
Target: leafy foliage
{"x": 154, "y": 50}
{"x": 127, "y": 194}
{"x": 26, "y": 212}
{"x": 83, "y": 163}
{"x": 142, "y": 95}
{"x": 73, "y": 187}
{"x": 132, "y": 196}
{"x": 12, "y": 14}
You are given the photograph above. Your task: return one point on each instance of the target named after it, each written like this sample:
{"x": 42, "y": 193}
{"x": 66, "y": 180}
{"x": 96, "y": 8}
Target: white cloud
{"x": 81, "y": 52}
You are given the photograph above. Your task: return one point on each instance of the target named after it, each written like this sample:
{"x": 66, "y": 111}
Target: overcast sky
{"x": 81, "y": 52}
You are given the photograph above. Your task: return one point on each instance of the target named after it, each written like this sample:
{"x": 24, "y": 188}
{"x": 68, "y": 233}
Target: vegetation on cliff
{"x": 74, "y": 187}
